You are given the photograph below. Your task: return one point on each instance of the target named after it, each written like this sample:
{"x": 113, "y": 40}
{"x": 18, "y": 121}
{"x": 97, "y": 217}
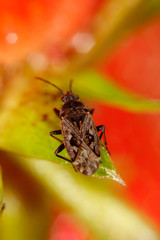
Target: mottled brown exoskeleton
{"x": 80, "y": 135}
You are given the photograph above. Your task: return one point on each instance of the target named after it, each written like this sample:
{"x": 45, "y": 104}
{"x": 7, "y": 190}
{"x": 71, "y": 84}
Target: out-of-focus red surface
{"x": 134, "y": 139}
{"x": 40, "y": 23}
{"x": 66, "y": 227}
{"x": 134, "y": 143}
{"x": 136, "y": 62}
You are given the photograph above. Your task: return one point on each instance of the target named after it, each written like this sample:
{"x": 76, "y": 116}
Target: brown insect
{"x": 80, "y": 135}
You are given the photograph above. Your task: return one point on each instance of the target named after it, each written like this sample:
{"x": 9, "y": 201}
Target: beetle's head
{"x": 69, "y": 96}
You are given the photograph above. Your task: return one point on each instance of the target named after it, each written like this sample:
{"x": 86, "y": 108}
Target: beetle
{"x": 80, "y": 135}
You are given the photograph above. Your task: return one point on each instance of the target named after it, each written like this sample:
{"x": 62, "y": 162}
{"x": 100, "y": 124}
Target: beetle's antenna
{"x": 44, "y": 80}
{"x": 70, "y": 85}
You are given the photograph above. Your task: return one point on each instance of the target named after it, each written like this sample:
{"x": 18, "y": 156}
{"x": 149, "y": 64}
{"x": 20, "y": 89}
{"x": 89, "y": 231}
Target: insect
{"x": 80, "y": 135}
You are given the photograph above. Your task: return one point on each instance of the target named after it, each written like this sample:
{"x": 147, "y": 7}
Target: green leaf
{"x": 106, "y": 168}
{"x": 99, "y": 88}
{"x": 33, "y": 140}
{"x": 24, "y": 131}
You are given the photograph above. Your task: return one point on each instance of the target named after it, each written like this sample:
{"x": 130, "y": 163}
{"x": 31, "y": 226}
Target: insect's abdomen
{"x": 86, "y": 162}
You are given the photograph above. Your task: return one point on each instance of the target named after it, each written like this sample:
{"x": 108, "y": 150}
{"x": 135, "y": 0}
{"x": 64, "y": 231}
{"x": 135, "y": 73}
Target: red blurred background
{"x": 135, "y": 65}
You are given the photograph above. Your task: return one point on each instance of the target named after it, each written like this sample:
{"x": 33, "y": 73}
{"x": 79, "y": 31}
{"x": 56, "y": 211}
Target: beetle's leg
{"x": 91, "y": 110}
{"x": 99, "y": 128}
{"x": 56, "y": 132}
{"x": 61, "y": 147}
{"x": 58, "y": 150}
{"x": 2, "y": 208}
{"x": 56, "y": 112}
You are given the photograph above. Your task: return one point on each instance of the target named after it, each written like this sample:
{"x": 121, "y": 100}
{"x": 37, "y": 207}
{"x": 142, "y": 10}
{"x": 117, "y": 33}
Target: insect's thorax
{"x": 73, "y": 108}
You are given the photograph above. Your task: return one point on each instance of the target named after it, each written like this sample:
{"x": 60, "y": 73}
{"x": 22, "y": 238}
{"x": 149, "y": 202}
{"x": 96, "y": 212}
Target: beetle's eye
{"x": 63, "y": 98}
